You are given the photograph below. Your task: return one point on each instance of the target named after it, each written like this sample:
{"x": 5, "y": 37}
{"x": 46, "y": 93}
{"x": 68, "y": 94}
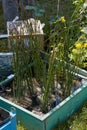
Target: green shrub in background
{"x": 78, "y": 55}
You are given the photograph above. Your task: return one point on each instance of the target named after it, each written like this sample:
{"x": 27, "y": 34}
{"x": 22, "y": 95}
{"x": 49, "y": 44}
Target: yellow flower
{"x": 63, "y": 20}
{"x": 78, "y": 45}
{"x": 74, "y": 51}
{"x": 85, "y": 45}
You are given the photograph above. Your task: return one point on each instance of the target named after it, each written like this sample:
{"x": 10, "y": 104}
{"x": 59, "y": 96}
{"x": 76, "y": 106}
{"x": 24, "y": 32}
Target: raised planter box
{"x": 7, "y": 120}
{"x": 5, "y": 65}
{"x": 58, "y": 114}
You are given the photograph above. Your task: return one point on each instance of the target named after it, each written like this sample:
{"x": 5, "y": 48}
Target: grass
{"x": 80, "y": 121}
{"x": 20, "y": 127}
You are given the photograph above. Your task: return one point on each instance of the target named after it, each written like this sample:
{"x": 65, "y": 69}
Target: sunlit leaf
{"x": 84, "y": 30}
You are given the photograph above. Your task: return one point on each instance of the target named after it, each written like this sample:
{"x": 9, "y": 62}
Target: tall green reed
{"x": 26, "y": 61}
{"x": 22, "y": 69}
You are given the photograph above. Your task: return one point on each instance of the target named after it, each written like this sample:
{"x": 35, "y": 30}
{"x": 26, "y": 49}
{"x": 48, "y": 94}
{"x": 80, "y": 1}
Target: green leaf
{"x": 85, "y": 5}
{"x": 38, "y": 11}
{"x": 30, "y": 7}
{"x": 41, "y": 10}
{"x": 38, "y": 14}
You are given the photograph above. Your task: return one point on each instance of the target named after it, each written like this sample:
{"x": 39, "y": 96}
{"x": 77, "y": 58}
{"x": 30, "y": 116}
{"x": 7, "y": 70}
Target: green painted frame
{"x": 58, "y": 114}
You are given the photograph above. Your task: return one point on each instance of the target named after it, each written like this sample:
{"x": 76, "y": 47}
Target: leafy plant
{"x": 38, "y": 12}
{"x": 20, "y": 127}
{"x": 79, "y": 121}
{"x": 79, "y": 54}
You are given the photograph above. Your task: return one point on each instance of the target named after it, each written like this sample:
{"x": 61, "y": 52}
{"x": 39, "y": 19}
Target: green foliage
{"x": 22, "y": 69}
{"x": 78, "y": 49}
{"x": 2, "y": 23}
{"x": 4, "y": 45}
{"x": 80, "y": 121}
{"x": 20, "y": 127}
{"x": 79, "y": 53}
{"x": 38, "y": 12}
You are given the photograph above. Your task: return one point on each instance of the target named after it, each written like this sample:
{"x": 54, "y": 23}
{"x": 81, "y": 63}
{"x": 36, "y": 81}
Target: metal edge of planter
{"x": 7, "y": 80}
{"x": 45, "y": 56}
{"x": 82, "y": 72}
{"x": 65, "y": 101}
{"x": 66, "y": 108}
